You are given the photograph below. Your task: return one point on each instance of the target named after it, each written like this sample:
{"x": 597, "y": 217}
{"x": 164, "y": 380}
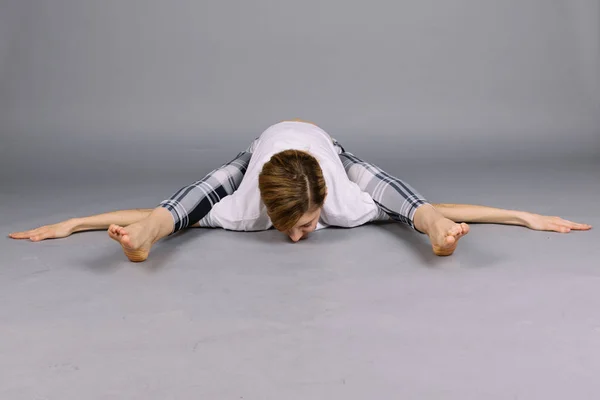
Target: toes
{"x": 120, "y": 235}
{"x": 465, "y": 228}
{"x": 113, "y": 233}
{"x": 450, "y": 240}
{"x": 458, "y": 230}
{"x": 455, "y": 230}
{"x": 126, "y": 240}
{"x": 116, "y": 230}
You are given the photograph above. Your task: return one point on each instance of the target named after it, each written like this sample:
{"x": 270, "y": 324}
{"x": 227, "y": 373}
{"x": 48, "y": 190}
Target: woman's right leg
{"x": 193, "y": 202}
{"x": 184, "y": 209}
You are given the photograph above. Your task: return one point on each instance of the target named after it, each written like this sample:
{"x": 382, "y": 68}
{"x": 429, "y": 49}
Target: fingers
{"x": 35, "y": 235}
{"x": 26, "y": 234}
{"x": 40, "y": 234}
{"x": 560, "y": 228}
{"x": 19, "y": 235}
{"x": 572, "y": 225}
{"x": 43, "y": 235}
{"x": 580, "y": 227}
{"x": 558, "y": 224}
{"x": 575, "y": 225}
{"x": 567, "y": 227}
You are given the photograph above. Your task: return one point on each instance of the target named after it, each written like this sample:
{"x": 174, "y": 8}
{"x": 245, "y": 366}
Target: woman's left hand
{"x": 554, "y": 224}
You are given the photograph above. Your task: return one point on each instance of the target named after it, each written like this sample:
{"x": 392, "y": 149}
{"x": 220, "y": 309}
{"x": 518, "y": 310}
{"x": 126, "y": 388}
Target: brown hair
{"x": 291, "y": 183}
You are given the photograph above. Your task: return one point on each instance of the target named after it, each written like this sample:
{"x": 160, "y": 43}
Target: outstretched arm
{"x": 94, "y": 222}
{"x": 91, "y": 223}
{"x": 483, "y": 214}
{"x": 188, "y": 206}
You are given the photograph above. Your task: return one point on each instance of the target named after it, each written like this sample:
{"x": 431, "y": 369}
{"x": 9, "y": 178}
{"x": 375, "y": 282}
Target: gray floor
{"x": 367, "y": 313}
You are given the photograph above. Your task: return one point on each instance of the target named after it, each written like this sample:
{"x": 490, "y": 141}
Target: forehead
{"x": 308, "y": 217}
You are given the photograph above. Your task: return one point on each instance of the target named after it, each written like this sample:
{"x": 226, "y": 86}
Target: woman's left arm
{"x": 482, "y": 214}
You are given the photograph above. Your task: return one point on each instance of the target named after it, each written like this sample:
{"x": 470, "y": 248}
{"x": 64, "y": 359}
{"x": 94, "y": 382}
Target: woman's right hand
{"x": 54, "y": 231}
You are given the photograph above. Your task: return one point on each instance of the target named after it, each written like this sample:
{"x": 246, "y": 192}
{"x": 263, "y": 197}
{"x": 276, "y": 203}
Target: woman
{"x": 298, "y": 179}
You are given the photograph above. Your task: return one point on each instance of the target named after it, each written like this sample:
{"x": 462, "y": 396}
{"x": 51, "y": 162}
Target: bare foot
{"x": 444, "y": 235}
{"x": 136, "y": 239}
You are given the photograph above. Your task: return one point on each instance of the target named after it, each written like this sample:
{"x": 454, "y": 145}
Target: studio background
{"x": 117, "y": 104}
{"x": 138, "y": 89}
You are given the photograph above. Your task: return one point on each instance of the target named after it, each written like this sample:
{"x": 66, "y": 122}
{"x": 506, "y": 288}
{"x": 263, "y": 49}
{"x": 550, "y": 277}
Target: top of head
{"x": 291, "y": 184}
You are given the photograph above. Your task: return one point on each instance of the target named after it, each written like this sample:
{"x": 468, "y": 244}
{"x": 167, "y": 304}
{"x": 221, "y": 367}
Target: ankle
{"x": 426, "y": 218}
{"x": 160, "y": 223}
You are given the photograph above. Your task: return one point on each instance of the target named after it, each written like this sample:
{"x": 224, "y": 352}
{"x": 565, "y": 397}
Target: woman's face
{"x": 304, "y": 226}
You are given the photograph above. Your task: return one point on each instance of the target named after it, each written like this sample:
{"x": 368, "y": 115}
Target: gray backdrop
{"x": 89, "y": 89}
{"x": 114, "y": 104}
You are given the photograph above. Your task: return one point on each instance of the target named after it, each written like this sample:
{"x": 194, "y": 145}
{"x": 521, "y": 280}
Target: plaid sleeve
{"x": 396, "y": 199}
{"x": 192, "y": 203}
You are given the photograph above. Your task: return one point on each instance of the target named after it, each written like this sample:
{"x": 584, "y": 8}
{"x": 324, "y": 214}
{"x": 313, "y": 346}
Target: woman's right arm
{"x": 91, "y": 223}
{"x": 188, "y": 206}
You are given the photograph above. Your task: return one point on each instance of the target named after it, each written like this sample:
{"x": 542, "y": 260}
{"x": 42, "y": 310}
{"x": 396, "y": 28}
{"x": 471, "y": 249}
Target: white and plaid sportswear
{"x": 395, "y": 199}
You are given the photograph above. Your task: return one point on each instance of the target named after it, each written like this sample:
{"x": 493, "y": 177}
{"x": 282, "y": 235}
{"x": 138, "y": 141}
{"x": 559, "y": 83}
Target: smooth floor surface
{"x": 365, "y": 313}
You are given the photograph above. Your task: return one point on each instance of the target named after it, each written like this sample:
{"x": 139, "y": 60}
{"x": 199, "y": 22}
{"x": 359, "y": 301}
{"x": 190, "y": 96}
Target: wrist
{"x": 524, "y": 218}
{"x": 73, "y": 224}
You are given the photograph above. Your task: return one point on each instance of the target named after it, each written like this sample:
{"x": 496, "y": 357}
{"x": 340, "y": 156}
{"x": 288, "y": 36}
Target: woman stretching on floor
{"x": 298, "y": 179}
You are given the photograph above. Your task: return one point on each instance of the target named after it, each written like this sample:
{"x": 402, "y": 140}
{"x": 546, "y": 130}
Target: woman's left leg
{"x": 400, "y": 202}
{"x": 396, "y": 198}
